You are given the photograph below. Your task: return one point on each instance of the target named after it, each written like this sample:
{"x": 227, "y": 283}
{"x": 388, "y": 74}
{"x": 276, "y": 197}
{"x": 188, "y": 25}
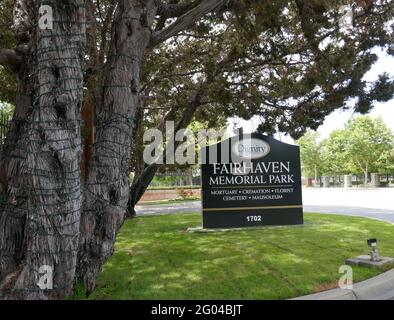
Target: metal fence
{"x": 385, "y": 180}
{"x": 4, "y": 122}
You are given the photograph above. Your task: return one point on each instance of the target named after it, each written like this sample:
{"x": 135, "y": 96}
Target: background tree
{"x": 368, "y": 140}
{"x": 386, "y": 162}
{"x": 6, "y": 111}
{"x": 336, "y": 160}
{"x": 7, "y": 40}
{"x": 312, "y": 157}
{"x": 363, "y": 146}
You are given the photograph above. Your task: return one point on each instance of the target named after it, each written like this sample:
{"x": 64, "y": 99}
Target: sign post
{"x": 249, "y": 181}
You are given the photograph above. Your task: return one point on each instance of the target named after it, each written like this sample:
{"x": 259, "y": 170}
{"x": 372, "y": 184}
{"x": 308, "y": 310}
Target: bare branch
{"x": 186, "y": 20}
{"x": 9, "y": 57}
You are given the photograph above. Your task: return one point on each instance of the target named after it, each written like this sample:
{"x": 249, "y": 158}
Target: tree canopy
{"x": 290, "y": 62}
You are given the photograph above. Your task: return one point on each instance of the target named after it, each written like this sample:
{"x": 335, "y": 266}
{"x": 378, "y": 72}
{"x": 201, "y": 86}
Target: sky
{"x": 338, "y": 118}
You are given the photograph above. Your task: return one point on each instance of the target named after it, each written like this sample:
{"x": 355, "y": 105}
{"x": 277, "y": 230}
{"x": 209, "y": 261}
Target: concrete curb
{"x": 377, "y": 288}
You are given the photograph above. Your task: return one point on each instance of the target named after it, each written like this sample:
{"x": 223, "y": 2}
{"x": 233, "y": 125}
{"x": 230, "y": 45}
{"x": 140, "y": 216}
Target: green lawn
{"x": 156, "y": 259}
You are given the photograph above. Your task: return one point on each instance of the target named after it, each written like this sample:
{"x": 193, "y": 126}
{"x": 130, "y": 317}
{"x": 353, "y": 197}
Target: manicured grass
{"x": 156, "y": 259}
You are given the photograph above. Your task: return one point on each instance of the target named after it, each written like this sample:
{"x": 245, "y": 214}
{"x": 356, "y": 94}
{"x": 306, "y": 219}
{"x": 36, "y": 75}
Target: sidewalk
{"x": 377, "y": 288}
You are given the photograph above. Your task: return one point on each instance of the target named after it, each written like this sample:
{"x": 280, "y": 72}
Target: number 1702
{"x": 254, "y": 218}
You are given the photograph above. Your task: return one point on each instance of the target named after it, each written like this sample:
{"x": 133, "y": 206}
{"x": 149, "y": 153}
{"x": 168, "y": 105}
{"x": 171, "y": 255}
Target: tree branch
{"x": 23, "y": 17}
{"x": 173, "y": 10}
{"x": 310, "y": 32}
{"x": 186, "y": 20}
{"x": 9, "y": 57}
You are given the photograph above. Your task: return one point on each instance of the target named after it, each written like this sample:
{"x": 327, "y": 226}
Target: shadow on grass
{"x": 156, "y": 259}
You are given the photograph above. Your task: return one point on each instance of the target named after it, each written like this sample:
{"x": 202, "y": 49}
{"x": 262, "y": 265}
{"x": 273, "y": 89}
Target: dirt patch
{"x": 325, "y": 286}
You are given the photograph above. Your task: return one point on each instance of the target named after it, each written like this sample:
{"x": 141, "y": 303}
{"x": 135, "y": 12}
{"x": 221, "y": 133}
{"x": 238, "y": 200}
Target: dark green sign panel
{"x": 251, "y": 180}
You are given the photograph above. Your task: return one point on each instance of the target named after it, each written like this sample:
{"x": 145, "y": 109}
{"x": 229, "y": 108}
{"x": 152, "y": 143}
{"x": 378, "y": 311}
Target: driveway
{"x": 369, "y": 203}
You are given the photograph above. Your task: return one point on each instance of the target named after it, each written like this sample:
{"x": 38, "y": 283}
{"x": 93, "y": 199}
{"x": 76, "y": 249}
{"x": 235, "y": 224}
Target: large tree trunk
{"x": 138, "y": 149}
{"x": 107, "y": 186}
{"x": 42, "y": 228}
{"x": 40, "y": 184}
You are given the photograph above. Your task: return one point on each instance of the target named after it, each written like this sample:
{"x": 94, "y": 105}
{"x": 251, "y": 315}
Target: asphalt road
{"x": 369, "y": 203}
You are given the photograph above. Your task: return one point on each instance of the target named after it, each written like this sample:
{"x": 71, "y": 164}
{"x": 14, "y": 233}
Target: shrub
{"x": 185, "y": 193}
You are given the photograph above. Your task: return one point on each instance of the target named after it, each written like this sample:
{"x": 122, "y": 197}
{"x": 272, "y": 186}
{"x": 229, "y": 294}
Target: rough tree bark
{"x": 107, "y": 186}
{"x": 41, "y": 221}
{"x": 40, "y": 183}
{"x": 107, "y": 189}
